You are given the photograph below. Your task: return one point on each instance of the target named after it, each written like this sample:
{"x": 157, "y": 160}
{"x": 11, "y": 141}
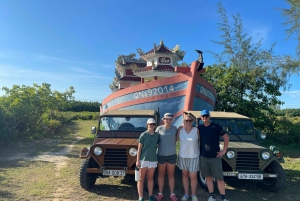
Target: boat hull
{"x": 184, "y": 91}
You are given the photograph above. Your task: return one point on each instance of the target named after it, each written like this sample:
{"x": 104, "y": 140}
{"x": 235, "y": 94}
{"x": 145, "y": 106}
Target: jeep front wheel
{"x": 274, "y": 184}
{"x": 87, "y": 180}
{"x": 202, "y": 180}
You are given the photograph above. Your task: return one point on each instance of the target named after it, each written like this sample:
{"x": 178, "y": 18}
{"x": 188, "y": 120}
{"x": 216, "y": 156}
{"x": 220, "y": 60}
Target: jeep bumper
{"x": 252, "y": 176}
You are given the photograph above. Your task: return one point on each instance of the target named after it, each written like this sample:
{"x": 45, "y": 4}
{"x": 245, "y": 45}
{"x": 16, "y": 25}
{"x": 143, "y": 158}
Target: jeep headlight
{"x": 230, "y": 154}
{"x": 98, "y": 151}
{"x": 263, "y": 136}
{"x": 265, "y": 155}
{"x": 132, "y": 151}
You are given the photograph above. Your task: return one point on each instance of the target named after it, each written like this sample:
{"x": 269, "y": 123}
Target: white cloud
{"x": 259, "y": 33}
{"x": 52, "y": 59}
{"x": 291, "y": 99}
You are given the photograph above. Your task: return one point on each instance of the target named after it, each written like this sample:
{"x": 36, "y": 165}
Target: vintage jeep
{"x": 245, "y": 159}
{"x": 114, "y": 150}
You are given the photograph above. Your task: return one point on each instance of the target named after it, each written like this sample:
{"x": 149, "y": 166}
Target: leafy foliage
{"x": 292, "y": 17}
{"x": 247, "y": 77}
{"x": 80, "y": 106}
{"x": 27, "y": 111}
{"x": 286, "y": 130}
{"x": 291, "y": 112}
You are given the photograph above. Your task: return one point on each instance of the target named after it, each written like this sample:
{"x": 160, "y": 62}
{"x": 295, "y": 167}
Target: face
{"x": 167, "y": 121}
{"x": 188, "y": 120}
{"x": 151, "y": 126}
{"x": 205, "y": 118}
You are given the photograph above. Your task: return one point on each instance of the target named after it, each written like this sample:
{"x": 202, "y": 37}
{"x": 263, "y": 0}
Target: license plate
{"x": 251, "y": 176}
{"x": 114, "y": 172}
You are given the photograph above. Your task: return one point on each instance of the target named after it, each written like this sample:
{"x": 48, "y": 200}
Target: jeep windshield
{"x": 121, "y": 124}
{"x": 237, "y": 129}
{"x": 236, "y": 126}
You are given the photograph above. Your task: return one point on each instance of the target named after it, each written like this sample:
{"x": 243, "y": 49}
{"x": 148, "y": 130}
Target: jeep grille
{"x": 247, "y": 161}
{"x": 115, "y": 158}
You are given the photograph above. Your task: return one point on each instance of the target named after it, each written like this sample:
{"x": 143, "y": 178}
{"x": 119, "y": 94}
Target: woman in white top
{"x": 188, "y": 160}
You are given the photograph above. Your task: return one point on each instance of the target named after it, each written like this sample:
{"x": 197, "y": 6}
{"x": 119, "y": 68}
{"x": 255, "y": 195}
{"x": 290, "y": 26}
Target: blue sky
{"x": 75, "y": 43}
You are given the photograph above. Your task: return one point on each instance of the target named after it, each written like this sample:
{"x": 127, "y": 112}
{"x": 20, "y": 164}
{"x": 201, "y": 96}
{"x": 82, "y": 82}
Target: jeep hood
{"x": 116, "y": 141}
{"x": 243, "y": 145}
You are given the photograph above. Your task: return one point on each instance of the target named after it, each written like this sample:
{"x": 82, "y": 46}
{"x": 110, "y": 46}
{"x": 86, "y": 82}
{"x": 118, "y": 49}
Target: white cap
{"x": 168, "y": 116}
{"x": 151, "y": 121}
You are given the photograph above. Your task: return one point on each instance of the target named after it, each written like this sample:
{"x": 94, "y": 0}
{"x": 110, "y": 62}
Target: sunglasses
{"x": 205, "y": 115}
{"x": 187, "y": 113}
{"x": 188, "y": 120}
{"x": 152, "y": 124}
{"x": 169, "y": 115}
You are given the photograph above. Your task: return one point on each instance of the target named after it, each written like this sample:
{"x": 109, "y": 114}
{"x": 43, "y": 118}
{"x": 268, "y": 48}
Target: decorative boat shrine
{"x": 155, "y": 81}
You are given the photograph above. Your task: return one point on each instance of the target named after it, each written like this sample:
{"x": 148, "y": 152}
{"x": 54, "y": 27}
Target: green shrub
{"x": 286, "y": 130}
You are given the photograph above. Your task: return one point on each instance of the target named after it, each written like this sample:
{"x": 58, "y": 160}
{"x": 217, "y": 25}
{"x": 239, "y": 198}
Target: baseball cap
{"x": 151, "y": 121}
{"x": 205, "y": 112}
{"x": 168, "y": 116}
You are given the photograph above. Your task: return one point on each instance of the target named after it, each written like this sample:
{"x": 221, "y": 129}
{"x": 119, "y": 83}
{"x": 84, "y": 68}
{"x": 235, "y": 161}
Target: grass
{"x": 24, "y": 179}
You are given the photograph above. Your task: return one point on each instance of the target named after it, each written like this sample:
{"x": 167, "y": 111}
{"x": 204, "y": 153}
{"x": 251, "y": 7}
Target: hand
{"x": 179, "y": 128}
{"x": 138, "y": 164}
{"x": 221, "y": 153}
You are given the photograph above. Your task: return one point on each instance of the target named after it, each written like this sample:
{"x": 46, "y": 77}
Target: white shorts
{"x": 148, "y": 164}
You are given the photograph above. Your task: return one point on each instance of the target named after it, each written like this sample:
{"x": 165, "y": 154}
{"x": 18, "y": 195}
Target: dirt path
{"x": 59, "y": 158}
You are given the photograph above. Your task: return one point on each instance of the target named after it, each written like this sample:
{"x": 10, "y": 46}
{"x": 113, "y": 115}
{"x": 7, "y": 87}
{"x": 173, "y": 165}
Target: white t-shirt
{"x": 189, "y": 144}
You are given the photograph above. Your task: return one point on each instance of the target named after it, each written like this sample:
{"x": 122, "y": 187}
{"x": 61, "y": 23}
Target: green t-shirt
{"x": 149, "y": 142}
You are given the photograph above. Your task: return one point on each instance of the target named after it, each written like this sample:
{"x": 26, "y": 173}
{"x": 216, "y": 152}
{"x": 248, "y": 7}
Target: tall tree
{"x": 247, "y": 77}
{"x": 292, "y": 19}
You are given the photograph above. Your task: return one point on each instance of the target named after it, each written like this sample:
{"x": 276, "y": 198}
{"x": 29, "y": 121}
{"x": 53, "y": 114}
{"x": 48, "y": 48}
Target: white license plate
{"x": 114, "y": 172}
{"x": 251, "y": 176}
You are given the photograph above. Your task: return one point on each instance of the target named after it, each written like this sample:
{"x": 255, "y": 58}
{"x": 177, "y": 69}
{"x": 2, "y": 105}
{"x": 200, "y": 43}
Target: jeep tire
{"x": 87, "y": 180}
{"x": 274, "y": 184}
{"x": 202, "y": 180}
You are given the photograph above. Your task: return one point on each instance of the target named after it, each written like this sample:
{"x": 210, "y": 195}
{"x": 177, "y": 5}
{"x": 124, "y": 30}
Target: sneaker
{"x": 194, "y": 198}
{"x": 225, "y": 200}
{"x": 211, "y": 199}
{"x": 159, "y": 197}
{"x": 141, "y": 199}
{"x": 151, "y": 198}
{"x": 184, "y": 198}
{"x": 173, "y": 197}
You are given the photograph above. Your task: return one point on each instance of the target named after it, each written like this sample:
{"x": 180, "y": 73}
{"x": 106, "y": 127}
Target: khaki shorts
{"x": 211, "y": 167}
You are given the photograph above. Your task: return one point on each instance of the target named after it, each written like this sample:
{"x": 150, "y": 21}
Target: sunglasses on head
{"x": 169, "y": 115}
{"x": 188, "y": 120}
{"x": 206, "y": 115}
{"x": 187, "y": 113}
{"x": 152, "y": 124}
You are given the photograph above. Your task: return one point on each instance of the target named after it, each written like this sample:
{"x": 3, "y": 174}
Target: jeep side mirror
{"x": 260, "y": 134}
{"x": 93, "y": 130}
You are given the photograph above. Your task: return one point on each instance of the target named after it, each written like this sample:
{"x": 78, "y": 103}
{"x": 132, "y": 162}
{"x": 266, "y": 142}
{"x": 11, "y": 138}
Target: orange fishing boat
{"x": 155, "y": 81}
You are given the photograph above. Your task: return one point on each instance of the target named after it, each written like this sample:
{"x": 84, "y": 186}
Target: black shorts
{"x": 167, "y": 159}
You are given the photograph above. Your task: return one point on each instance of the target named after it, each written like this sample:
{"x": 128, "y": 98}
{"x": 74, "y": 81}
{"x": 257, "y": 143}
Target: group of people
{"x": 157, "y": 148}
